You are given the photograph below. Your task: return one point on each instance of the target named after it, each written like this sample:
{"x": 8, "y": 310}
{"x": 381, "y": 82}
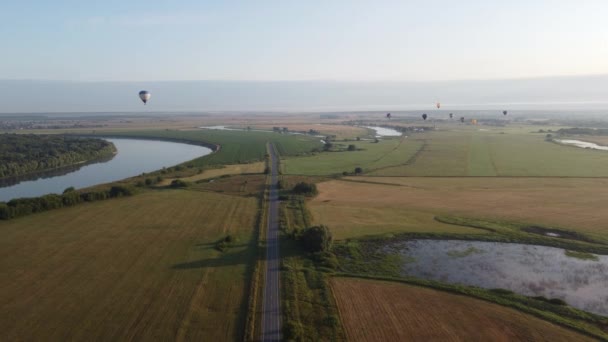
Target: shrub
{"x": 307, "y": 189}
{"x": 178, "y": 183}
{"x": 316, "y": 239}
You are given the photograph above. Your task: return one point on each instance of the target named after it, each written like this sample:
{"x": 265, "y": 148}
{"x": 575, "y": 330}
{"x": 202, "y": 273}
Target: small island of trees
{"x": 21, "y": 154}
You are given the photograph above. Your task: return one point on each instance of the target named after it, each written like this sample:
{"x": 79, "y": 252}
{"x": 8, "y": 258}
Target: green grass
{"x": 236, "y": 146}
{"x": 491, "y": 153}
{"x": 581, "y": 255}
{"x": 370, "y": 156}
{"x": 309, "y": 311}
{"x": 134, "y": 268}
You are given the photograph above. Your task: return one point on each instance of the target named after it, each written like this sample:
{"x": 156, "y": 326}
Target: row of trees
{"x": 25, "y": 206}
{"x": 585, "y": 131}
{"x": 21, "y": 154}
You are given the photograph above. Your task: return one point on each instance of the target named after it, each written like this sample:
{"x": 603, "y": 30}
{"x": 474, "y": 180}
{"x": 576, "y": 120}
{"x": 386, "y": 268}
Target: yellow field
{"x": 410, "y": 203}
{"x": 235, "y": 169}
{"x": 384, "y": 311}
{"x": 138, "y": 268}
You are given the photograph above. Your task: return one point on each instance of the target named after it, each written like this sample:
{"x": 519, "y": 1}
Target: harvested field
{"x": 384, "y": 311}
{"x": 136, "y": 268}
{"x": 573, "y": 203}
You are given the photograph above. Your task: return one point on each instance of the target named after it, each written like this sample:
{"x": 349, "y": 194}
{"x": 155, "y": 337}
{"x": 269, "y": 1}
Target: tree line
{"x": 25, "y": 206}
{"x": 21, "y": 154}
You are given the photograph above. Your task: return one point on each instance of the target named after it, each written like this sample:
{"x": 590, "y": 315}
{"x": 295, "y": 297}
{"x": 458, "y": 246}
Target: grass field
{"x": 234, "y": 169}
{"x": 497, "y": 153}
{"x": 135, "y": 268}
{"x": 361, "y": 208}
{"x": 340, "y": 131}
{"x": 372, "y": 156}
{"x": 237, "y": 147}
{"x": 384, "y": 311}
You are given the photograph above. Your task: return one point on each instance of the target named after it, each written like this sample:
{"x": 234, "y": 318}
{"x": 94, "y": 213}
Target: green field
{"x": 236, "y": 146}
{"x": 135, "y": 268}
{"x": 371, "y": 156}
{"x": 499, "y": 153}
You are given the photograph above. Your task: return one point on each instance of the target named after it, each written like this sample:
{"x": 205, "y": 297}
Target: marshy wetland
{"x": 580, "y": 279}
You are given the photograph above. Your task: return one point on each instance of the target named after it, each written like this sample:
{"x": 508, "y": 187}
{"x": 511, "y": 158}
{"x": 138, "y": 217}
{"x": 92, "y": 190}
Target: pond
{"x": 134, "y": 157}
{"x": 525, "y": 269}
{"x": 582, "y": 144}
{"x": 384, "y": 132}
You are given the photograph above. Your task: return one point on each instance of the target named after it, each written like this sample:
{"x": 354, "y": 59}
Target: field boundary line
{"x": 253, "y": 320}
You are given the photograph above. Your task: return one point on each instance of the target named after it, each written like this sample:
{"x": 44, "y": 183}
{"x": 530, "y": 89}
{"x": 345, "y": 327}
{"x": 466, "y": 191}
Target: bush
{"x": 307, "y": 189}
{"x": 121, "y": 190}
{"x": 178, "y": 183}
{"x": 316, "y": 239}
{"x": 352, "y": 147}
{"x": 358, "y": 170}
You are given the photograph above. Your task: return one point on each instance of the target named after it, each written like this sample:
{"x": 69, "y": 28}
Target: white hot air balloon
{"x": 144, "y": 95}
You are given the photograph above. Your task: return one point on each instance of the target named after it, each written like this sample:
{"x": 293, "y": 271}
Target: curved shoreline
{"x": 36, "y": 174}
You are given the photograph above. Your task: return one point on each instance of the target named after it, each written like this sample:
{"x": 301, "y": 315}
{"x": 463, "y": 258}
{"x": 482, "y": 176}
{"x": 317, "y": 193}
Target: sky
{"x": 359, "y": 41}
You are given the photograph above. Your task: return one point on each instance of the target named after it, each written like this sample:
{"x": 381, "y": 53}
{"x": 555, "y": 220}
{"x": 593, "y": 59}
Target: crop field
{"x": 234, "y": 169}
{"x": 135, "y": 268}
{"x": 361, "y": 206}
{"x": 237, "y": 147}
{"x": 371, "y": 156}
{"x": 384, "y": 311}
{"x": 499, "y": 153}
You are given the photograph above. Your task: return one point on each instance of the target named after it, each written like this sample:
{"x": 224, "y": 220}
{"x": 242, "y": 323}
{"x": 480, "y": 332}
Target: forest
{"x": 21, "y": 154}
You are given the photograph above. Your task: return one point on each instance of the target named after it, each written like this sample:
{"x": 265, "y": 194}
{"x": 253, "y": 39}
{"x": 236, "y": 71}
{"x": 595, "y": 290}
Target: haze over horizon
{"x": 339, "y": 55}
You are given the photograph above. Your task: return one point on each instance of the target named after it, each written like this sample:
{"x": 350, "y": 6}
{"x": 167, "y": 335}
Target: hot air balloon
{"x": 388, "y": 115}
{"x": 438, "y": 105}
{"x": 504, "y": 112}
{"x": 144, "y": 95}
{"x": 462, "y": 119}
{"x": 451, "y": 115}
{"x": 424, "y": 116}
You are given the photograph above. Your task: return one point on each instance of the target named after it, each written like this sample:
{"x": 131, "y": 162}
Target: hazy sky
{"x": 301, "y": 40}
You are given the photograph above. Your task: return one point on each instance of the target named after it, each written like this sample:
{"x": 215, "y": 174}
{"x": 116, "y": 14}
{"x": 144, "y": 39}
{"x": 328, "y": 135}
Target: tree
{"x": 307, "y": 189}
{"x": 358, "y": 139}
{"x": 316, "y": 239}
{"x": 328, "y": 145}
{"x": 358, "y": 170}
{"x": 352, "y": 147}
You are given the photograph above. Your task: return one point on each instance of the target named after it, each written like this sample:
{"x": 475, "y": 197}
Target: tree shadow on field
{"x": 228, "y": 258}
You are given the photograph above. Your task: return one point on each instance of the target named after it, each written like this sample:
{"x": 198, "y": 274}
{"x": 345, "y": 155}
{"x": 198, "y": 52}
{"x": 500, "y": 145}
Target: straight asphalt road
{"x": 271, "y": 315}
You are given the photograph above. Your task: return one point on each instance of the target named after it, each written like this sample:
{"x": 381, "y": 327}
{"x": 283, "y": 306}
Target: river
{"x": 134, "y": 157}
{"x": 384, "y": 132}
{"x": 582, "y": 144}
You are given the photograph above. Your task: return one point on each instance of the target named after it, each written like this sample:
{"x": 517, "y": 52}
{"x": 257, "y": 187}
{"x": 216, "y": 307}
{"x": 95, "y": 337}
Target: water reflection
{"x": 582, "y": 144}
{"x": 134, "y": 157}
{"x": 384, "y": 132}
{"x": 525, "y": 269}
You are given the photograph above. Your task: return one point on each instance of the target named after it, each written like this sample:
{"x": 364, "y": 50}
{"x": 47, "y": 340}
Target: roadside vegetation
{"x": 309, "y": 311}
